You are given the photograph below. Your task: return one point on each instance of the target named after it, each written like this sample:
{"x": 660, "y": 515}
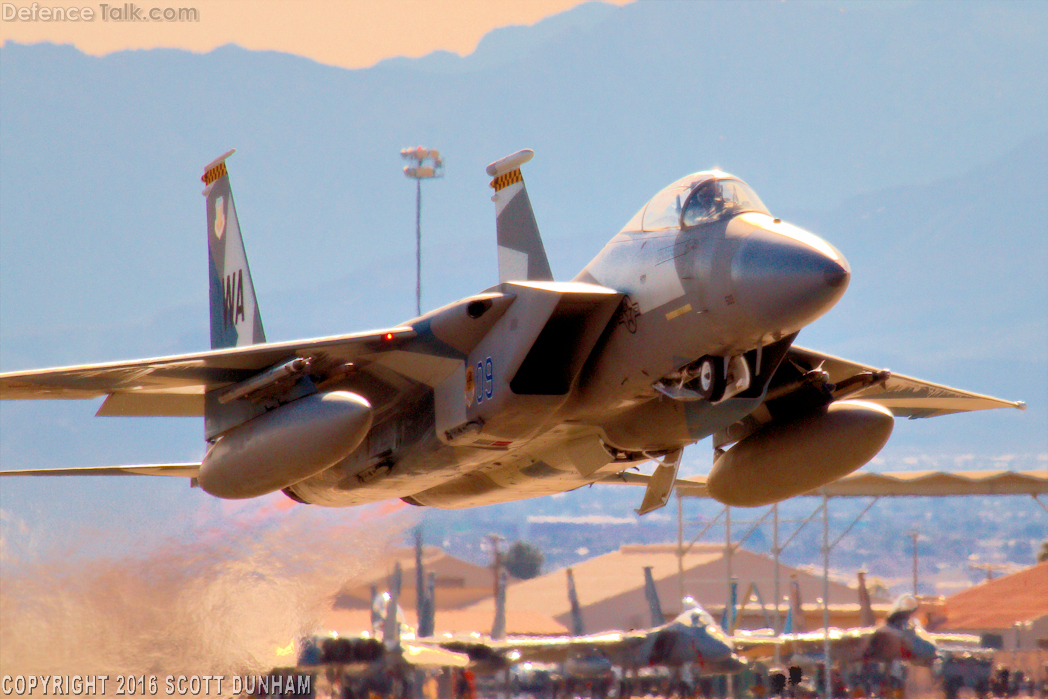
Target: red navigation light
{"x": 389, "y": 336}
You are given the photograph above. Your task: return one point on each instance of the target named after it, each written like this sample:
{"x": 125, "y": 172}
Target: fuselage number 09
{"x": 485, "y": 380}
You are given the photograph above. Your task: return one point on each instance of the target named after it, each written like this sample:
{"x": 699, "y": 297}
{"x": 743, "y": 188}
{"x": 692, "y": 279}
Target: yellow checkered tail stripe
{"x": 506, "y": 179}
{"x": 214, "y": 173}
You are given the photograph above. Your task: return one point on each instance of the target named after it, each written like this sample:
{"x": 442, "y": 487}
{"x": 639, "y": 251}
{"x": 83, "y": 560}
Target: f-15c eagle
{"x": 682, "y": 327}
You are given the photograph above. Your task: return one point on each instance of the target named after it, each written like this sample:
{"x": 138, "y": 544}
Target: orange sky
{"x": 348, "y": 33}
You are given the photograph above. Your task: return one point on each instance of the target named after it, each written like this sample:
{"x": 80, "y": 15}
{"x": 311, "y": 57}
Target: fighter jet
{"x": 387, "y": 657}
{"x": 899, "y": 638}
{"x": 691, "y": 639}
{"x": 681, "y": 327}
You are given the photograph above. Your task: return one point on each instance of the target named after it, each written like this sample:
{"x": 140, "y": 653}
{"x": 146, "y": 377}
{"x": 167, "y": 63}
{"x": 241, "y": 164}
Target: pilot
{"x": 705, "y": 204}
{"x": 901, "y": 611}
{"x": 709, "y": 198}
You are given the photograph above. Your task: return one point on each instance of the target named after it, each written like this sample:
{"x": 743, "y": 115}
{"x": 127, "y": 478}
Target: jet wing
{"x": 805, "y": 380}
{"x": 187, "y": 470}
{"x": 615, "y": 646}
{"x": 843, "y": 642}
{"x": 903, "y": 395}
{"x": 755, "y": 647}
{"x": 175, "y": 385}
{"x": 425, "y": 656}
{"x": 960, "y": 641}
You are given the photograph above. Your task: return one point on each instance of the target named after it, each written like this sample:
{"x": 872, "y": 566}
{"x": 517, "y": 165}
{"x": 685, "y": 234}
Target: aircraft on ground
{"x": 746, "y": 645}
{"x": 691, "y": 639}
{"x": 557, "y": 658}
{"x": 390, "y": 653}
{"x": 900, "y": 637}
{"x": 682, "y": 327}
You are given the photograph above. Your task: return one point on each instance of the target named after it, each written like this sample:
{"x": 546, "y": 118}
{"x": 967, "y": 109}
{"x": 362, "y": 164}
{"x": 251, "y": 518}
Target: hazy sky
{"x": 348, "y": 33}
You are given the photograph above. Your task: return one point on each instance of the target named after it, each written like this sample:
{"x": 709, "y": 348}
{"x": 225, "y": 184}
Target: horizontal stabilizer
{"x": 187, "y": 470}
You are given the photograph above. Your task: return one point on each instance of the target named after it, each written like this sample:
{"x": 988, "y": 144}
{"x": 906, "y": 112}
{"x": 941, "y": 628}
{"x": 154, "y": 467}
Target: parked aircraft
{"x": 748, "y": 645}
{"x": 897, "y": 639}
{"x": 691, "y": 639}
{"x": 900, "y": 637}
{"x": 682, "y": 327}
{"x": 497, "y": 652}
{"x": 384, "y": 662}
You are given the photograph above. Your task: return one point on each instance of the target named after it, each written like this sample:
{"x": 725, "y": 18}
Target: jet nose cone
{"x": 724, "y": 651}
{"x": 924, "y": 651}
{"x": 786, "y": 277}
{"x": 837, "y": 274}
{"x": 714, "y": 649}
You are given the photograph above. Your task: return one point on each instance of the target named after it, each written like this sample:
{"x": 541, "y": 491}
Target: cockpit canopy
{"x": 901, "y": 611}
{"x": 696, "y": 199}
{"x": 696, "y": 616}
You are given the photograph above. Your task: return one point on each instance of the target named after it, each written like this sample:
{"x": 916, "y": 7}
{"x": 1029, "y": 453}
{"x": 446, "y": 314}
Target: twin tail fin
{"x": 522, "y": 256}
{"x": 235, "y": 318}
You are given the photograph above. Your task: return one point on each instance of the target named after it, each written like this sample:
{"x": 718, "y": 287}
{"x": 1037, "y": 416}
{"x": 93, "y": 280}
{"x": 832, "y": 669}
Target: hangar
{"x": 611, "y": 589}
{"x": 458, "y": 585}
{"x": 998, "y": 606}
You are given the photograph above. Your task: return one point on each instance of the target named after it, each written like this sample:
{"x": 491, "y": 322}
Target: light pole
{"x": 496, "y": 562}
{"x": 427, "y": 164}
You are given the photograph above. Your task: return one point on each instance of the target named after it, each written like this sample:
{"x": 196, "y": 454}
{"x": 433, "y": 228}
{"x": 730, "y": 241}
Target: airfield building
{"x": 611, "y": 594}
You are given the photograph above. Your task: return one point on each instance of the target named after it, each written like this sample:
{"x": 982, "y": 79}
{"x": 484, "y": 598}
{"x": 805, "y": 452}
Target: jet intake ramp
{"x": 565, "y": 342}
{"x": 524, "y": 367}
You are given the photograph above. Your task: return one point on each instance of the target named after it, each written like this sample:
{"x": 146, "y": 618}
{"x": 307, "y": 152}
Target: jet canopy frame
{"x": 698, "y": 198}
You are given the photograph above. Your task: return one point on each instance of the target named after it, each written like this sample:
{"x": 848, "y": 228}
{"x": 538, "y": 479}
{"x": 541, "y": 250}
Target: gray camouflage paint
{"x": 532, "y": 387}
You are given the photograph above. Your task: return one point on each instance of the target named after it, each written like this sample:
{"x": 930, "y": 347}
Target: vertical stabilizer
{"x": 391, "y": 627}
{"x": 728, "y": 617}
{"x": 421, "y": 602}
{"x": 798, "y": 624}
{"x": 576, "y": 610}
{"x": 498, "y": 627}
{"x": 377, "y": 603}
{"x": 754, "y": 592}
{"x": 522, "y": 256}
{"x": 657, "y": 617}
{"x": 428, "y": 622}
{"x": 235, "y": 318}
{"x": 866, "y": 617}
